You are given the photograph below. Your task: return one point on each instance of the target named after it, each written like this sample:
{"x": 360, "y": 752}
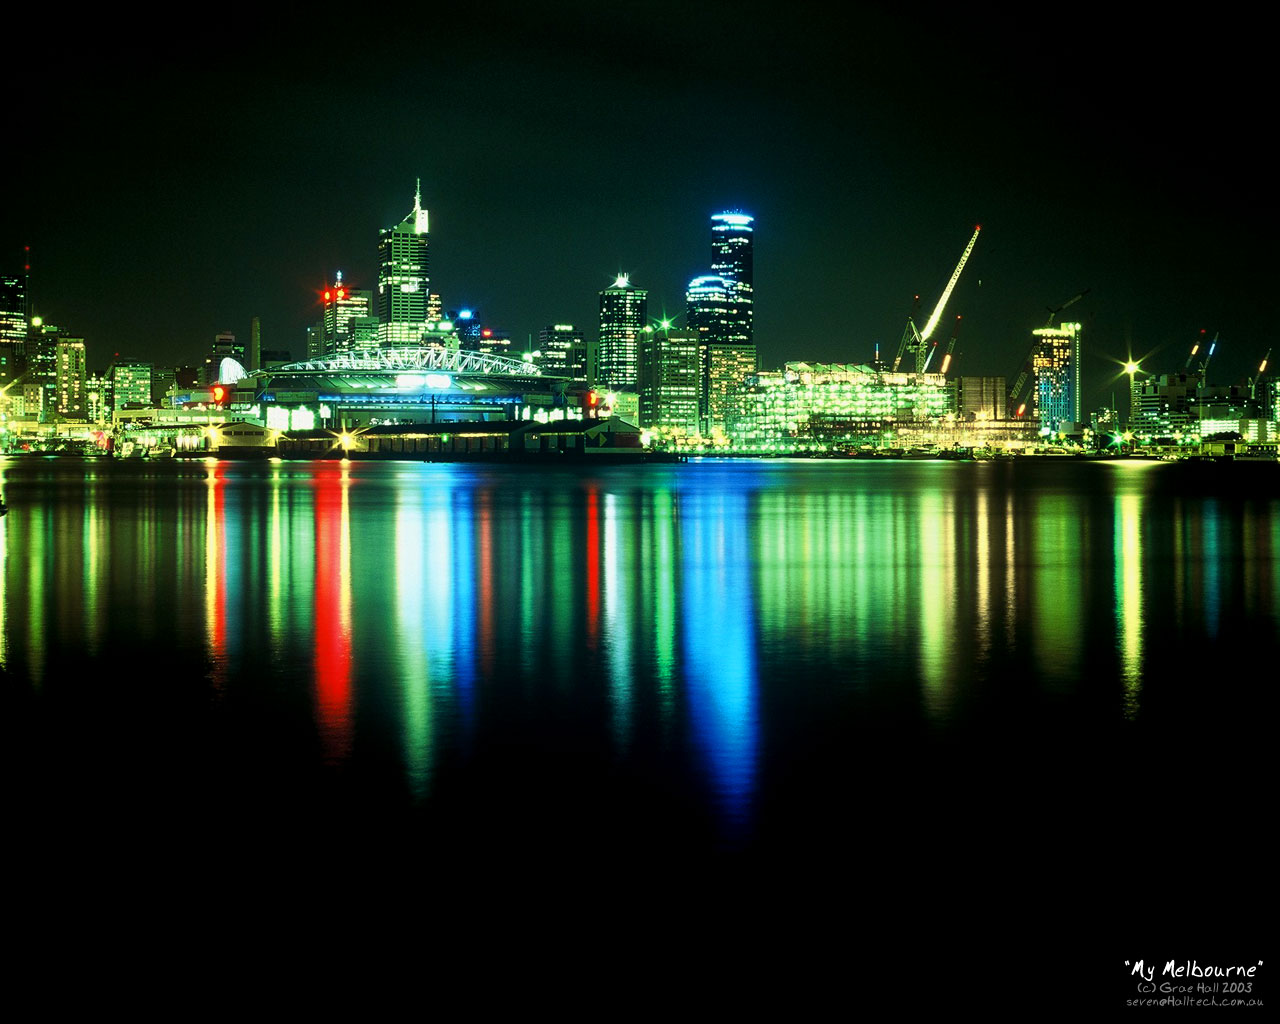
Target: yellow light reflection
{"x": 1129, "y": 599}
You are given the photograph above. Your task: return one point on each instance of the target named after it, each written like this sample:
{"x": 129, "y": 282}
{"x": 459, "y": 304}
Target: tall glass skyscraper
{"x": 403, "y": 281}
{"x": 623, "y": 312}
{"x": 731, "y": 235}
{"x": 714, "y": 315}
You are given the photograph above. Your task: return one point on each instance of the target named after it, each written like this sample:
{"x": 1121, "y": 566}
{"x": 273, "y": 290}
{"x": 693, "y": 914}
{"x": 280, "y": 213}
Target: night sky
{"x": 171, "y": 187}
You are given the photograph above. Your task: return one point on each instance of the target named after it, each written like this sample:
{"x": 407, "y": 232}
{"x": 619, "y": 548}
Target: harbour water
{"x": 1002, "y": 670}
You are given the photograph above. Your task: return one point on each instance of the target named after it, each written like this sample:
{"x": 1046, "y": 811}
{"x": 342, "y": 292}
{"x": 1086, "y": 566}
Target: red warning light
{"x": 327, "y": 296}
{"x": 592, "y": 398}
{"x": 219, "y": 393}
{"x": 486, "y": 333}
{"x": 341, "y": 293}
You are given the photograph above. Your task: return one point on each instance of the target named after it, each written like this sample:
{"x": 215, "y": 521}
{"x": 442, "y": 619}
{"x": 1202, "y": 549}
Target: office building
{"x": 13, "y": 312}
{"x": 403, "y": 278}
{"x": 670, "y": 380}
{"x": 623, "y": 315}
{"x": 72, "y": 401}
{"x": 820, "y": 406}
{"x": 343, "y": 307}
{"x": 41, "y": 383}
{"x": 130, "y": 383}
{"x": 563, "y": 351}
{"x": 714, "y": 316}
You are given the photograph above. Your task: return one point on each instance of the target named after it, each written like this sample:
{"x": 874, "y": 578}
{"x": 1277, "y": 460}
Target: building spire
{"x": 419, "y": 214}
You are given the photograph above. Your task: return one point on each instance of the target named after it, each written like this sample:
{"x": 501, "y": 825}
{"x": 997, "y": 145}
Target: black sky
{"x": 174, "y": 182}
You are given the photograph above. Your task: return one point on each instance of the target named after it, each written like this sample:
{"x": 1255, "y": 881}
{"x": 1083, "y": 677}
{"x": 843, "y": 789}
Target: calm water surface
{"x": 942, "y": 667}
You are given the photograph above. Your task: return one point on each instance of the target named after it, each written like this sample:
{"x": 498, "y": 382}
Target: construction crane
{"x": 914, "y": 339}
{"x": 951, "y": 347}
{"x": 1253, "y": 384}
{"x": 1196, "y": 348}
{"x": 1015, "y": 392}
{"x": 1204, "y": 367}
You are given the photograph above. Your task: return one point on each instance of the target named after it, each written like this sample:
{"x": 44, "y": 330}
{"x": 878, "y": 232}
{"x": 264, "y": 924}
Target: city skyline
{"x": 864, "y": 181}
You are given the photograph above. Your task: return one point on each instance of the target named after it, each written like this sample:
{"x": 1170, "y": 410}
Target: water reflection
{"x": 691, "y": 626}
{"x": 719, "y": 648}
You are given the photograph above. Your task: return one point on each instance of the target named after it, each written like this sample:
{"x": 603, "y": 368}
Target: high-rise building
{"x": 13, "y": 332}
{"x": 13, "y": 311}
{"x": 403, "y": 278}
{"x": 41, "y": 385}
{"x": 130, "y": 383}
{"x": 670, "y": 380}
{"x": 1056, "y": 366}
{"x": 731, "y": 259}
{"x": 623, "y": 312}
{"x": 72, "y": 369}
{"x": 714, "y": 316}
{"x": 342, "y": 307}
{"x": 564, "y": 351}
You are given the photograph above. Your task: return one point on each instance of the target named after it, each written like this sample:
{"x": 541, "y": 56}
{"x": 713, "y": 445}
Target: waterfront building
{"x": 381, "y": 387}
{"x": 1056, "y": 367}
{"x": 818, "y": 406}
{"x": 670, "y": 380}
{"x": 72, "y": 370}
{"x": 623, "y": 314}
{"x": 564, "y": 351}
{"x": 403, "y": 278}
{"x": 130, "y": 383}
{"x": 343, "y": 307}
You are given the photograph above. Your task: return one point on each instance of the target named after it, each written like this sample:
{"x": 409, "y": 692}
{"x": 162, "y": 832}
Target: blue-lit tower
{"x": 731, "y": 241}
{"x": 714, "y": 316}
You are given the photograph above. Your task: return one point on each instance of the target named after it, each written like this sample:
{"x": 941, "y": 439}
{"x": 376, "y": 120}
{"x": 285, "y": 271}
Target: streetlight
{"x": 1131, "y": 368}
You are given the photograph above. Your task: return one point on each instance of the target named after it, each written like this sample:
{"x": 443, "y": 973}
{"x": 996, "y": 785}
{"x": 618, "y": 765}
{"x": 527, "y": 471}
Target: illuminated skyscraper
{"x": 670, "y": 382}
{"x": 130, "y": 383}
{"x": 714, "y": 316}
{"x": 564, "y": 351}
{"x": 13, "y": 332}
{"x": 343, "y": 306}
{"x": 731, "y": 259}
{"x": 623, "y": 311}
{"x": 1056, "y": 365}
{"x": 72, "y": 397}
{"x": 403, "y": 278}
